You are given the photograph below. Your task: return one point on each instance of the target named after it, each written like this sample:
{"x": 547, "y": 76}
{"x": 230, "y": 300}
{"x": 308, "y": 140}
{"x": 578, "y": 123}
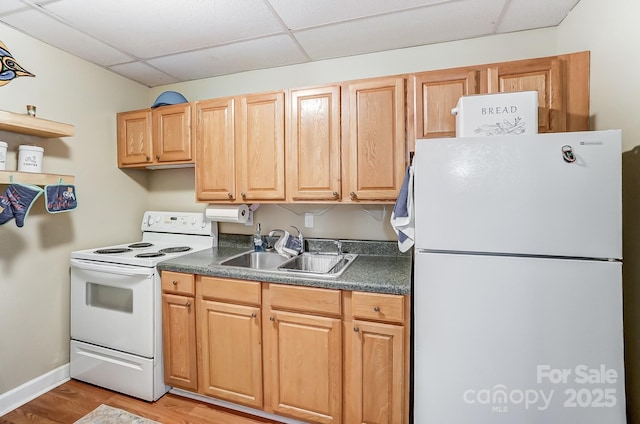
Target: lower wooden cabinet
{"x": 229, "y": 345}
{"x": 179, "y": 331}
{"x": 303, "y": 353}
{"x": 313, "y": 354}
{"x": 376, "y": 328}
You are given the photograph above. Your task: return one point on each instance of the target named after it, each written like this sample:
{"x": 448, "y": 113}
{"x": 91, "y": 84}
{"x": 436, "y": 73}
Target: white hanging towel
{"x": 402, "y": 216}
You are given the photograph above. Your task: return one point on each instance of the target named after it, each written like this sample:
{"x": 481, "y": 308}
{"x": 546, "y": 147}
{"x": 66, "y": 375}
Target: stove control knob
{"x": 157, "y": 219}
{"x": 194, "y": 221}
{"x": 149, "y": 220}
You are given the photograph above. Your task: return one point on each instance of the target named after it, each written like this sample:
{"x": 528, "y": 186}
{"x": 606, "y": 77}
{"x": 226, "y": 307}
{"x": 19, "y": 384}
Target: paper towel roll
{"x": 227, "y": 213}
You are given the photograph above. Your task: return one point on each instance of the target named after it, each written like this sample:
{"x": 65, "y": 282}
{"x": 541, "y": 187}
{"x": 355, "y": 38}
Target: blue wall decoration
{"x": 9, "y": 68}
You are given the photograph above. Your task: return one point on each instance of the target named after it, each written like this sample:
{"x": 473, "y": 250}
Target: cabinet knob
{"x": 157, "y": 157}
{"x": 148, "y": 158}
{"x": 356, "y": 329}
{"x": 335, "y": 194}
{"x": 376, "y": 308}
{"x": 253, "y": 315}
{"x": 230, "y": 196}
{"x": 174, "y": 282}
{"x": 188, "y": 305}
{"x": 244, "y": 195}
{"x": 353, "y": 195}
{"x": 272, "y": 318}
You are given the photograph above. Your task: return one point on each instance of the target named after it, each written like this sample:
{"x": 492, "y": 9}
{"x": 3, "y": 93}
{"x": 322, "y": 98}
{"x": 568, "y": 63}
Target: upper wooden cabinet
{"x": 373, "y": 139}
{"x": 215, "y": 150}
{"x": 436, "y": 94}
{"x": 134, "y": 138}
{"x": 155, "y": 137}
{"x": 240, "y": 148}
{"x": 172, "y": 134}
{"x": 313, "y": 144}
{"x": 562, "y": 83}
{"x": 260, "y": 159}
{"x": 344, "y": 143}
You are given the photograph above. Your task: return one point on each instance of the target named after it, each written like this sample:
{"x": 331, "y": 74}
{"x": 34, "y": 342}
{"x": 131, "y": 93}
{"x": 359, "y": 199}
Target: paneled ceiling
{"x": 157, "y": 42}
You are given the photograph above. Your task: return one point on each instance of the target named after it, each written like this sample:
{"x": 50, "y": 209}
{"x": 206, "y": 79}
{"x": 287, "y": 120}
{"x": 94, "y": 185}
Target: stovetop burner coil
{"x": 149, "y": 255}
{"x": 175, "y": 249}
{"x": 112, "y": 250}
{"x": 140, "y": 245}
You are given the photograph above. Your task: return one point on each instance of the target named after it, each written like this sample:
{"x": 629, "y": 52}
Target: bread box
{"x": 497, "y": 114}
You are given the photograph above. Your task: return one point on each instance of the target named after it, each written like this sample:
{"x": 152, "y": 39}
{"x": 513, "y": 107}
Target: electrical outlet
{"x": 308, "y": 220}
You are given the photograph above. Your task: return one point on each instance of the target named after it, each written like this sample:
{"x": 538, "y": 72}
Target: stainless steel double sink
{"x": 313, "y": 263}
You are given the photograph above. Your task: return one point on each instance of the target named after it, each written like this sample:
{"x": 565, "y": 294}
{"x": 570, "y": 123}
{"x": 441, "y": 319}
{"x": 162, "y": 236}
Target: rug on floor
{"x": 105, "y": 414}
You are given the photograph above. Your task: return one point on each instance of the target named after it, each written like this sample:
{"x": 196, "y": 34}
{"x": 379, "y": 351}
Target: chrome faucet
{"x": 338, "y": 244}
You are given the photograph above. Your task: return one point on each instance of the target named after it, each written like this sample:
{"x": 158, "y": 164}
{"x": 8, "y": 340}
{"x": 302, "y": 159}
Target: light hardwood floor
{"x": 72, "y": 400}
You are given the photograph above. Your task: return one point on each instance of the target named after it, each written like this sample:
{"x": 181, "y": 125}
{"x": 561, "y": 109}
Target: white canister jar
{"x": 30, "y": 158}
{"x": 3, "y": 155}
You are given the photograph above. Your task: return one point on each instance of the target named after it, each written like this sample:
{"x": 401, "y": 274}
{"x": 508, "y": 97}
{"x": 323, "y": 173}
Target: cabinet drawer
{"x": 378, "y": 306}
{"x": 236, "y": 291}
{"x": 306, "y": 299}
{"x": 176, "y": 282}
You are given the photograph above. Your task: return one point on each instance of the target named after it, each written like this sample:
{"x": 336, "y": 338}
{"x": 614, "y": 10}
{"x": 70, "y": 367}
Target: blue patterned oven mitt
{"x": 6, "y": 211}
{"x": 21, "y": 197}
{"x": 60, "y": 198}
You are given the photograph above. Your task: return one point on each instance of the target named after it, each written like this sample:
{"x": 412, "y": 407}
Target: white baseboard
{"x": 32, "y": 389}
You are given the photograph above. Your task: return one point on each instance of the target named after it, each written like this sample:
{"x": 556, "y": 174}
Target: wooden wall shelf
{"x": 8, "y": 177}
{"x": 25, "y": 124}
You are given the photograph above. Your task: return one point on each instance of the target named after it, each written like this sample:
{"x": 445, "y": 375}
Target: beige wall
{"x": 34, "y": 259}
{"x": 34, "y": 298}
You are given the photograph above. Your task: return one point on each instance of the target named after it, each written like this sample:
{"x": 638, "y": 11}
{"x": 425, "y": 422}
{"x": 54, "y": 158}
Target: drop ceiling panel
{"x": 526, "y": 14}
{"x": 11, "y": 5}
{"x": 144, "y": 74}
{"x": 158, "y": 42}
{"x": 150, "y": 28}
{"x": 57, "y": 34}
{"x": 298, "y": 14}
{"x": 403, "y": 29}
{"x": 262, "y": 53}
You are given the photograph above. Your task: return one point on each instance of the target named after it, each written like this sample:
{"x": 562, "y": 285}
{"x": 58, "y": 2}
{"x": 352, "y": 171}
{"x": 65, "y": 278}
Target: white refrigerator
{"x": 518, "y": 280}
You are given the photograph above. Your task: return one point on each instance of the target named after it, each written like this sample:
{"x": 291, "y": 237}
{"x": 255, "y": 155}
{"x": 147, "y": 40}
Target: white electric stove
{"x": 116, "y": 311}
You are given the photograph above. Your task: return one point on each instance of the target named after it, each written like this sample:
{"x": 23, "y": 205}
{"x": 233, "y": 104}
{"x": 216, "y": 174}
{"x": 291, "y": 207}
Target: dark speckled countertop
{"x": 379, "y": 267}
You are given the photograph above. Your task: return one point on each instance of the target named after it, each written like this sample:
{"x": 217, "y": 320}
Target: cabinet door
{"x": 436, "y": 93}
{"x": 544, "y": 75}
{"x": 260, "y": 157}
{"x": 215, "y": 150}
{"x": 134, "y": 138}
{"x": 313, "y": 145}
{"x": 303, "y": 366}
{"x": 375, "y": 381}
{"x": 179, "y": 341}
{"x": 374, "y": 139}
{"x": 172, "y": 133}
{"x": 230, "y": 347}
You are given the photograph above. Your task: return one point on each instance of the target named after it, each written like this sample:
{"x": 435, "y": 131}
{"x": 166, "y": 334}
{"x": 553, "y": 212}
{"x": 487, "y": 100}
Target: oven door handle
{"x": 112, "y": 269}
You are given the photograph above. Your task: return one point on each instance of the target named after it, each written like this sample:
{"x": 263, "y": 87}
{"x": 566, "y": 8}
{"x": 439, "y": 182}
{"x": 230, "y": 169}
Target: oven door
{"x": 112, "y": 305}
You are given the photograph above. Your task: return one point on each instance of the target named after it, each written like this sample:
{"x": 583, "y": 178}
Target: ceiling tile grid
{"x": 157, "y": 42}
